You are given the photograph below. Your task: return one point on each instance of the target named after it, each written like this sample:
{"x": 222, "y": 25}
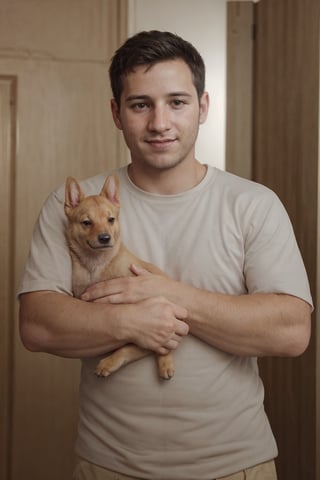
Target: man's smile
{"x": 161, "y": 144}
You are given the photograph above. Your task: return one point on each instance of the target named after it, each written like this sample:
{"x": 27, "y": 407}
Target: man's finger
{"x": 138, "y": 270}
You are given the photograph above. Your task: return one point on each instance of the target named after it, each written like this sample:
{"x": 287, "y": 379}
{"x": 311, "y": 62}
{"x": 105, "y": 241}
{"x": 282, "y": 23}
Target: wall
{"x": 204, "y": 25}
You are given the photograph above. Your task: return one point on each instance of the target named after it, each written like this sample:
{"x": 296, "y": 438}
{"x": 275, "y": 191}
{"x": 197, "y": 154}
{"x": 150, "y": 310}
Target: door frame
{"x": 8, "y": 150}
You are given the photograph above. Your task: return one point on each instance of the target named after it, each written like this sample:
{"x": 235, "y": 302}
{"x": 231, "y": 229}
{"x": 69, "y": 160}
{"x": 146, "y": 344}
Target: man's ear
{"x": 115, "y": 109}
{"x": 204, "y": 107}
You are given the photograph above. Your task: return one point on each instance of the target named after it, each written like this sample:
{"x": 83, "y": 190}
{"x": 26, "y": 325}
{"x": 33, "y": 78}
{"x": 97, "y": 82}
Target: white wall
{"x": 203, "y": 23}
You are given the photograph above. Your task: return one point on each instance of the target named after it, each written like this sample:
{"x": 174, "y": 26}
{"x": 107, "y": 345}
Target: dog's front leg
{"x": 165, "y": 366}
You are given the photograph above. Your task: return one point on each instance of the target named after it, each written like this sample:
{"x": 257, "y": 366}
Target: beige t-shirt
{"x": 226, "y": 235}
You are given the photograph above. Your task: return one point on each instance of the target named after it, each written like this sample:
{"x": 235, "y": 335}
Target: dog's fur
{"x": 97, "y": 253}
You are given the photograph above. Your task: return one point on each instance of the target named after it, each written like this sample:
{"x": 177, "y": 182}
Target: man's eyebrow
{"x": 180, "y": 94}
{"x": 131, "y": 98}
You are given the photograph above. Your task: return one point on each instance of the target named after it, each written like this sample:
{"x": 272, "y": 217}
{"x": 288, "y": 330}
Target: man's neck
{"x": 167, "y": 181}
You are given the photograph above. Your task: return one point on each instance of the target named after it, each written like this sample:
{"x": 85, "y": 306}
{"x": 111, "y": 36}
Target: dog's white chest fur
{"x": 82, "y": 277}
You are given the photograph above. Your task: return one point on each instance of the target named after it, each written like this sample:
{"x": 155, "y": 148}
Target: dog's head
{"x": 93, "y": 221}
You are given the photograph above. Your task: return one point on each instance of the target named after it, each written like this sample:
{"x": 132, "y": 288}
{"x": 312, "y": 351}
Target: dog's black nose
{"x": 104, "y": 238}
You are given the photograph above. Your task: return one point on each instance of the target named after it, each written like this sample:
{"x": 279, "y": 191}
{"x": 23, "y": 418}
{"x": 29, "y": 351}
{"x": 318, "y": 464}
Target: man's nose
{"x": 159, "y": 119}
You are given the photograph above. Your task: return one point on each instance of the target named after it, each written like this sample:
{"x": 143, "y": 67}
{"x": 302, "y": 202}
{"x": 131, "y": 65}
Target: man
{"x": 236, "y": 290}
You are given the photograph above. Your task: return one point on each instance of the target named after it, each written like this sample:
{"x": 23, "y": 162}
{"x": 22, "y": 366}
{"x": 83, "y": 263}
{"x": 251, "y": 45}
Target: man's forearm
{"x": 247, "y": 325}
{"x": 55, "y": 323}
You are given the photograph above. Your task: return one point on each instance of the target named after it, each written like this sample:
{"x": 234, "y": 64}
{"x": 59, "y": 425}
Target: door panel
{"x": 285, "y": 157}
{"x": 63, "y": 126}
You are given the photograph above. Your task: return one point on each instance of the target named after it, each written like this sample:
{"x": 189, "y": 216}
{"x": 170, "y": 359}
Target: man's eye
{"x": 111, "y": 220}
{"x": 178, "y": 103}
{"x": 139, "y": 106}
{"x": 86, "y": 223}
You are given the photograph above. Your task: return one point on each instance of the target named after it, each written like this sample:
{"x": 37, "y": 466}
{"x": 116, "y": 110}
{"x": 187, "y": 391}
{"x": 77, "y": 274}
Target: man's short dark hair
{"x": 151, "y": 47}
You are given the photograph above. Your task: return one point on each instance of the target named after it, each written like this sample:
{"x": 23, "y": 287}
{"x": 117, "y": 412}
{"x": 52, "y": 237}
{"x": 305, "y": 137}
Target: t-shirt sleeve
{"x": 273, "y": 261}
{"x": 48, "y": 266}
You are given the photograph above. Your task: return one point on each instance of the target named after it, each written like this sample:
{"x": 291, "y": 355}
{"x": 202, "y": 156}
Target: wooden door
{"x": 285, "y": 158}
{"x": 55, "y": 121}
{"x": 284, "y": 152}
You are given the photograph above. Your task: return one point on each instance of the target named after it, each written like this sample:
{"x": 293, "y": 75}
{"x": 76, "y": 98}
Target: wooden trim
{"x": 123, "y": 20}
{"x": 123, "y": 31}
{"x": 317, "y": 301}
{"x": 8, "y": 101}
{"x": 240, "y": 28}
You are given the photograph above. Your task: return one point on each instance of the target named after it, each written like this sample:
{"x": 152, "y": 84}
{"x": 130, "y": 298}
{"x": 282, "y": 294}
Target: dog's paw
{"x": 102, "y": 372}
{"x": 104, "y": 368}
{"x": 165, "y": 367}
{"x": 166, "y": 374}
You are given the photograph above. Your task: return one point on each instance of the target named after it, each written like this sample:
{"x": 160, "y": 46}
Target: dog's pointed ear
{"x": 73, "y": 194}
{"x": 110, "y": 189}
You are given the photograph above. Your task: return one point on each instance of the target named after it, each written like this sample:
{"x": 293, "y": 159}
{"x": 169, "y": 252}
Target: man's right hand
{"x": 158, "y": 325}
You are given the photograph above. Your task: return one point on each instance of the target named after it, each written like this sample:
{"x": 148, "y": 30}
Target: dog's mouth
{"x": 99, "y": 246}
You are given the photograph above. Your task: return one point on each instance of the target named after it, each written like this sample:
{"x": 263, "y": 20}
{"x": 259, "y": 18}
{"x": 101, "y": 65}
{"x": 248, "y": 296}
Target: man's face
{"x": 160, "y": 114}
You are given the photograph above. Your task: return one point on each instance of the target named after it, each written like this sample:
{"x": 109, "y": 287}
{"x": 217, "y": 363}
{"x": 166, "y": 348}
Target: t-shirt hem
{"x": 196, "y": 472}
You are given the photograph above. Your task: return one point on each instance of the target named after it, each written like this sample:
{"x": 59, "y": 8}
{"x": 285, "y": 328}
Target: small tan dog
{"x": 97, "y": 253}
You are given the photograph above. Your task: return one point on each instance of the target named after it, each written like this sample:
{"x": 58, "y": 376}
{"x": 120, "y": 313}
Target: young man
{"x": 236, "y": 289}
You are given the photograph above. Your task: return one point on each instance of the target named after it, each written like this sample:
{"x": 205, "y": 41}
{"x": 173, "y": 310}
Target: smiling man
{"x": 235, "y": 289}
{"x": 160, "y": 114}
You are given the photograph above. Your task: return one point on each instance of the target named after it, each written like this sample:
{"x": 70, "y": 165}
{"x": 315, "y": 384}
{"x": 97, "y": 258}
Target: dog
{"x": 97, "y": 254}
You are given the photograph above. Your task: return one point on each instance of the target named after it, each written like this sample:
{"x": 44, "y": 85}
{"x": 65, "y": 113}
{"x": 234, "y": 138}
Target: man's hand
{"x": 129, "y": 289}
{"x": 157, "y": 324}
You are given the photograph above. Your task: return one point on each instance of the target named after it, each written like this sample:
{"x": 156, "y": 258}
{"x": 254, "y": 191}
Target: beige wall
{"x": 203, "y": 23}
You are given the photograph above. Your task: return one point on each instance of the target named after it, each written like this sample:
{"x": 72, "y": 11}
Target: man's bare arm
{"x": 59, "y": 324}
{"x": 249, "y": 325}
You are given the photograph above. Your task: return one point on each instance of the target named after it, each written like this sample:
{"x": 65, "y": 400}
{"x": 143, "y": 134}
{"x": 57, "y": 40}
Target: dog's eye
{"x": 86, "y": 223}
{"x": 111, "y": 220}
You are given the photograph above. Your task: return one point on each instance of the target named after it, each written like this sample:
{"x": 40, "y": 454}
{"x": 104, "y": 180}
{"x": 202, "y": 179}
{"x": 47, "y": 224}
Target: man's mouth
{"x": 161, "y": 143}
